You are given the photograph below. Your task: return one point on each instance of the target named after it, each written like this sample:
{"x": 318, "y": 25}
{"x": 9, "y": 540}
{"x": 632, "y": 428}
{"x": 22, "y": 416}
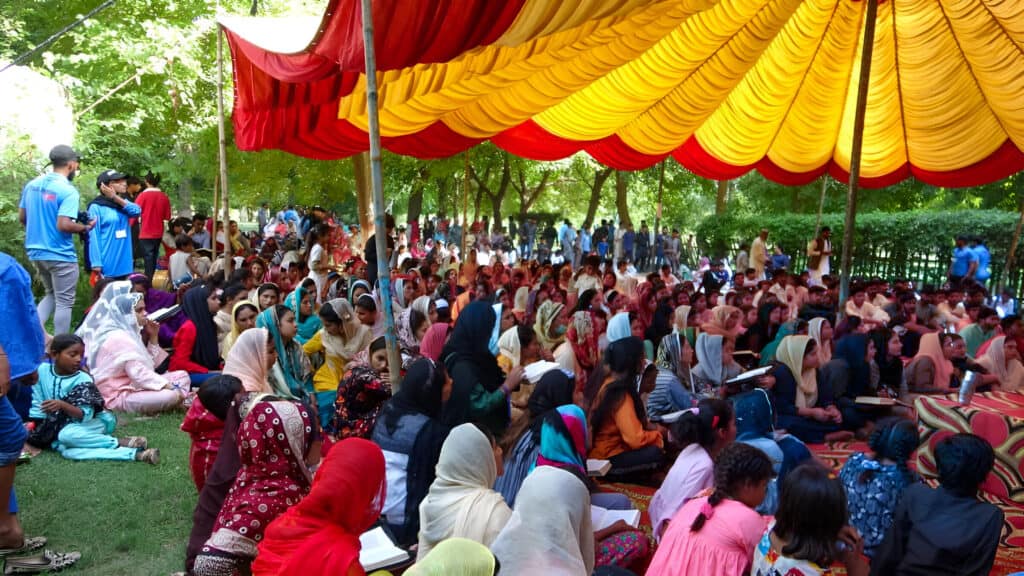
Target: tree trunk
{"x": 600, "y": 176}
{"x": 364, "y": 200}
{"x": 476, "y": 203}
{"x": 621, "y": 203}
{"x": 722, "y": 199}
{"x": 794, "y": 200}
{"x": 415, "y": 202}
{"x": 444, "y": 196}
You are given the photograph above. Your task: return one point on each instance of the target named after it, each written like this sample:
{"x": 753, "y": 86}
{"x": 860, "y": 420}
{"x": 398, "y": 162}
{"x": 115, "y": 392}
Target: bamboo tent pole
{"x": 858, "y": 142}
{"x": 376, "y": 179}
{"x": 465, "y": 206}
{"x": 222, "y": 152}
{"x": 213, "y": 242}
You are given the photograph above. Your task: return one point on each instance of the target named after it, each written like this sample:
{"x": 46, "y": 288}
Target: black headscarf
{"x": 853, "y": 348}
{"x": 420, "y": 393}
{"x": 622, "y": 358}
{"x": 469, "y": 343}
{"x": 554, "y": 389}
{"x": 204, "y": 351}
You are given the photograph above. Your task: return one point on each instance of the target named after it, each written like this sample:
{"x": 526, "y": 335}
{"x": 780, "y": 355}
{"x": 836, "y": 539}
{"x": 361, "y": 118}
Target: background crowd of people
{"x": 518, "y": 364}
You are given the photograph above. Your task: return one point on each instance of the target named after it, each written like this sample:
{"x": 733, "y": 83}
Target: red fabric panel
{"x": 529, "y": 140}
{"x": 692, "y": 155}
{"x": 613, "y": 152}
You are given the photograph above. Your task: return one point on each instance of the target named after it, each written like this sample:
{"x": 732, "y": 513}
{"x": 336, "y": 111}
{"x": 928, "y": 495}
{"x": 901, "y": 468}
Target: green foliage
{"x": 916, "y": 244}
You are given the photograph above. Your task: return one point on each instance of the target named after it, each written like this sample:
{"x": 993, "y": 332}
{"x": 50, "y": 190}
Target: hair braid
{"x": 737, "y": 464}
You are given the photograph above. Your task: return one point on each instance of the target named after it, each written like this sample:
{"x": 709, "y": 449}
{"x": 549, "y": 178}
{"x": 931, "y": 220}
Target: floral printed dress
{"x": 768, "y": 562}
{"x": 872, "y": 492}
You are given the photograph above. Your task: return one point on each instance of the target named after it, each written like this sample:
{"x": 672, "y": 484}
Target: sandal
{"x": 28, "y": 545}
{"x": 46, "y": 562}
{"x": 139, "y": 442}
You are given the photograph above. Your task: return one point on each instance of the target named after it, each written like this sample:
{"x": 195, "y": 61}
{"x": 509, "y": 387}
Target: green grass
{"x": 125, "y": 518}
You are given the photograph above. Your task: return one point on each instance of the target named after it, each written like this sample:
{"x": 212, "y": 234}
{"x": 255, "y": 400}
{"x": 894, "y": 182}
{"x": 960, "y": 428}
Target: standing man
{"x": 48, "y": 210}
{"x": 156, "y": 211}
{"x": 984, "y": 271}
{"x": 819, "y": 253}
{"x": 759, "y": 254}
{"x": 643, "y": 247}
{"x": 629, "y": 244}
{"x": 110, "y": 240}
{"x": 527, "y": 232}
{"x": 965, "y": 262}
{"x": 568, "y": 240}
{"x": 586, "y": 245}
{"x": 672, "y": 246}
{"x": 263, "y": 216}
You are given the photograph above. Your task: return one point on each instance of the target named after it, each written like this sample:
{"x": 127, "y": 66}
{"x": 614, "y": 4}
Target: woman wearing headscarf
{"x": 673, "y": 388}
{"x": 521, "y": 443}
{"x": 618, "y": 327}
{"x": 646, "y": 303}
{"x": 410, "y": 327}
{"x": 251, "y": 360}
{"x": 715, "y": 364}
{"x": 357, "y": 288}
{"x": 550, "y": 325}
{"x": 320, "y": 534}
{"x": 520, "y": 303}
{"x": 340, "y": 339}
{"x": 725, "y": 322}
{"x": 243, "y": 317}
{"x": 410, "y": 432}
{"x": 802, "y": 410}
{"x": 434, "y": 341}
{"x": 460, "y": 502}
{"x": 1003, "y": 360}
{"x": 303, "y": 303}
{"x": 621, "y": 431}
{"x": 456, "y": 557}
{"x": 769, "y": 352}
{"x": 820, "y": 330}
{"x": 292, "y": 375}
{"x": 550, "y": 531}
{"x": 932, "y": 370}
{"x": 769, "y": 318}
{"x": 122, "y": 365}
{"x": 267, "y": 295}
{"x": 583, "y": 342}
{"x": 681, "y": 323}
{"x": 195, "y": 344}
{"x": 480, "y": 389}
{"x": 273, "y": 442}
{"x": 848, "y": 375}
{"x": 156, "y": 300}
{"x": 362, "y": 393}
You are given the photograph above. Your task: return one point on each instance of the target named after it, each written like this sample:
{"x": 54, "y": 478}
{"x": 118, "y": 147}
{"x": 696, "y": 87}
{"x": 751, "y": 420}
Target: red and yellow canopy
{"x": 721, "y": 86}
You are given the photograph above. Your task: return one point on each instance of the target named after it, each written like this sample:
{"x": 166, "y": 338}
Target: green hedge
{"x": 914, "y": 244}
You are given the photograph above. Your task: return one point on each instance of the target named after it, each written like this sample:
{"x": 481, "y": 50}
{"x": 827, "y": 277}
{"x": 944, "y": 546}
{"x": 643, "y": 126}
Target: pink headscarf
{"x": 433, "y": 340}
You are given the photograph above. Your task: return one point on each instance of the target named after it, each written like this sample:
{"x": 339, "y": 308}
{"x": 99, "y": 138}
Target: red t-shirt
{"x": 156, "y": 209}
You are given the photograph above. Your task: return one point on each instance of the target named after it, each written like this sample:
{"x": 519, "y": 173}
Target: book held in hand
{"x": 378, "y": 551}
{"x": 164, "y": 313}
{"x": 602, "y": 518}
{"x": 598, "y": 467}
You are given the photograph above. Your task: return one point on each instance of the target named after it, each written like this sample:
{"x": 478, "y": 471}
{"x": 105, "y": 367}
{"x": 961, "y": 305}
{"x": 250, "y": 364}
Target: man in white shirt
{"x": 819, "y": 256}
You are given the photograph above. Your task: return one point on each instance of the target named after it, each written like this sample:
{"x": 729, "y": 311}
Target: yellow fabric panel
{"x": 544, "y": 17}
{"x": 807, "y": 138}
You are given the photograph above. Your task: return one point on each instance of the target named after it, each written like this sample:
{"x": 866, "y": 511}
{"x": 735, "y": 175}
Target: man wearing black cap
{"x": 49, "y": 211}
{"x": 110, "y": 240}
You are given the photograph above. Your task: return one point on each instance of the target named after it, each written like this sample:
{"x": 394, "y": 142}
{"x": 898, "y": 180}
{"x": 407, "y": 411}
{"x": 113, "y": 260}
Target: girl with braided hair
{"x": 874, "y": 483}
{"x": 715, "y": 535}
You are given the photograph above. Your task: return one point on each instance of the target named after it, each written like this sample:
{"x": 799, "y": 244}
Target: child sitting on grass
{"x": 69, "y": 413}
{"x": 946, "y": 530}
{"x": 204, "y": 423}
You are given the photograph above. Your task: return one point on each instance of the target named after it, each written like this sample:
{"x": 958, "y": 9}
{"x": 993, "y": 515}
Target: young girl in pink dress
{"x": 715, "y": 535}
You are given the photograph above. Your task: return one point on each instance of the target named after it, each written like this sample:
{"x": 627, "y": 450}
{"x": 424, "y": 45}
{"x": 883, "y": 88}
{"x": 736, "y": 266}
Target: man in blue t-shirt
{"x": 110, "y": 245}
{"x": 984, "y": 259}
{"x": 49, "y": 212}
{"x": 965, "y": 262}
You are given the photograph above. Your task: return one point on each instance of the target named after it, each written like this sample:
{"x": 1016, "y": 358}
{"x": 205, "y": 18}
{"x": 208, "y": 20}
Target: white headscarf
{"x": 422, "y": 304}
{"x": 461, "y": 502}
{"x": 114, "y": 312}
{"x": 550, "y": 531}
{"x": 247, "y": 360}
{"x": 824, "y": 351}
{"x": 355, "y": 338}
{"x": 618, "y": 327}
{"x": 709, "y": 358}
{"x": 1011, "y": 378}
{"x": 509, "y": 345}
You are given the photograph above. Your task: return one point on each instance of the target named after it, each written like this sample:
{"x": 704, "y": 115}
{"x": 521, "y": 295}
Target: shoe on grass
{"x": 139, "y": 442}
{"x": 47, "y": 562}
{"x": 150, "y": 456}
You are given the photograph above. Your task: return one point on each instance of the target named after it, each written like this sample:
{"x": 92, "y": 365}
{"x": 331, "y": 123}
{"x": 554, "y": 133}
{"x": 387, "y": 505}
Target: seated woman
{"x": 292, "y": 375}
{"x": 702, "y": 433}
{"x": 410, "y": 433}
{"x": 888, "y": 363}
{"x": 715, "y": 535}
{"x": 410, "y": 327}
{"x": 582, "y": 339}
{"x": 267, "y": 295}
{"x": 551, "y": 326}
{"x": 363, "y": 390}
{"x": 460, "y": 502}
{"x": 122, "y": 365}
{"x": 875, "y": 482}
{"x": 715, "y": 365}
{"x": 273, "y": 442}
{"x": 550, "y": 531}
{"x": 480, "y": 390}
{"x": 340, "y": 340}
{"x": 848, "y": 375}
{"x": 457, "y": 556}
{"x": 195, "y": 344}
{"x": 1002, "y": 359}
{"x": 820, "y": 330}
{"x": 68, "y": 411}
{"x": 303, "y": 303}
{"x": 932, "y": 370}
{"x": 320, "y": 534}
{"x": 768, "y": 353}
{"x": 801, "y": 409}
{"x": 673, "y": 388}
{"x": 521, "y": 443}
{"x": 243, "y": 317}
{"x": 155, "y": 300}
{"x": 621, "y": 431}
{"x": 725, "y": 322}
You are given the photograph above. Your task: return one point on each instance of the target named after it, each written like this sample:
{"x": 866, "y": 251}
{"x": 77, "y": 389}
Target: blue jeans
{"x": 12, "y": 440}
{"x": 150, "y": 253}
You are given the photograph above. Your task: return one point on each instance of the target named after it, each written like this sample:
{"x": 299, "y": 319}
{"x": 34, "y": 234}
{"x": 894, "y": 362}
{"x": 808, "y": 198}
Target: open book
{"x": 378, "y": 551}
{"x": 875, "y": 401}
{"x": 670, "y": 417}
{"x": 602, "y": 518}
{"x": 163, "y": 313}
{"x": 598, "y": 467}
{"x": 750, "y": 374}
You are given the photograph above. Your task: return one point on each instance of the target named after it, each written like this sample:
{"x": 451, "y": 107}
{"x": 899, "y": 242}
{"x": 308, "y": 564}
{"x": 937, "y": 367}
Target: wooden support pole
{"x": 376, "y": 178}
{"x": 223, "y": 153}
{"x": 364, "y": 195}
{"x": 858, "y": 144}
{"x": 465, "y": 207}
